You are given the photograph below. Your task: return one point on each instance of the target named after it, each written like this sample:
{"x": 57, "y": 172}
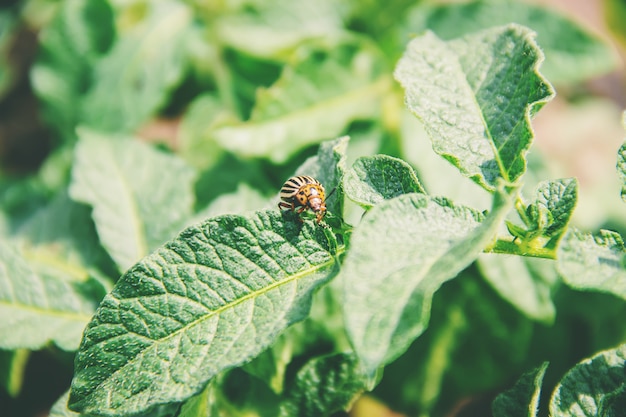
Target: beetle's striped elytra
{"x": 303, "y": 192}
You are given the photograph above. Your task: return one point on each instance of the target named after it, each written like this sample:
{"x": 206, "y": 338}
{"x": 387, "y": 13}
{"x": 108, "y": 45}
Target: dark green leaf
{"x": 584, "y": 388}
{"x": 323, "y": 386}
{"x": 209, "y": 300}
{"x": 381, "y": 177}
{"x": 523, "y": 399}
{"x": 475, "y": 96}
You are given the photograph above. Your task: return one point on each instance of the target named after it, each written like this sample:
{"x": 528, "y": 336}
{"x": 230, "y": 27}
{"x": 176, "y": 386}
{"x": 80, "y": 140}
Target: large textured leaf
{"x": 475, "y": 96}
{"x": 324, "y": 88}
{"x": 134, "y": 80}
{"x": 211, "y": 299}
{"x": 401, "y": 253}
{"x": 593, "y": 263}
{"x": 584, "y": 389}
{"x": 140, "y": 197}
{"x": 573, "y": 54}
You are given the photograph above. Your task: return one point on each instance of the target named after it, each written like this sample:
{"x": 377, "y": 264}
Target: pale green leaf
{"x": 198, "y": 405}
{"x": 135, "y": 78}
{"x": 38, "y": 308}
{"x": 61, "y": 240}
{"x": 475, "y": 96}
{"x": 584, "y": 388}
{"x": 381, "y": 177}
{"x": 323, "y": 386}
{"x": 593, "y": 263}
{"x": 523, "y": 399}
{"x": 274, "y": 29}
{"x": 195, "y": 143}
{"x": 403, "y": 250}
{"x": 326, "y": 86}
{"x": 573, "y": 53}
{"x": 140, "y": 197}
{"x": 70, "y": 47}
{"x": 209, "y": 300}
{"x": 243, "y": 200}
{"x": 526, "y": 283}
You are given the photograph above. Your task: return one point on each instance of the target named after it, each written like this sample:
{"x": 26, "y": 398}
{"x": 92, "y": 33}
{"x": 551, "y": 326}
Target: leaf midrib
{"x": 217, "y": 312}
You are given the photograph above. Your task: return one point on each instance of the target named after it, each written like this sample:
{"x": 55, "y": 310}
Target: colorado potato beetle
{"x": 303, "y": 192}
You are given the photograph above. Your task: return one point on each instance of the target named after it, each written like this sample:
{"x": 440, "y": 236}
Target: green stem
{"x": 511, "y": 248}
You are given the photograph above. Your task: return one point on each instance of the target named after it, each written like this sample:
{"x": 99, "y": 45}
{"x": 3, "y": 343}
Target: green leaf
{"x": 475, "y": 96}
{"x": 144, "y": 66}
{"x": 141, "y": 197}
{"x": 9, "y": 73}
{"x": 593, "y": 263}
{"x": 12, "y": 368}
{"x": 621, "y": 165}
{"x": 244, "y": 199}
{"x": 209, "y": 300}
{"x": 323, "y": 386}
{"x": 195, "y": 143}
{"x": 70, "y": 46}
{"x": 401, "y": 253}
{"x": 381, "y": 177}
{"x": 584, "y": 388}
{"x": 61, "y": 240}
{"x": 59, "y": 409}
{"x": 272, "y": 30}
{"x": 325, "y": 87}
{"x": 526, "y": 283}
{"x": 523, "y": 399}
{"x": 558, "y": 198}
{"x": 329, "y": 166}
{"x": 573, "y": 53}
{"x": 38, "y": 308}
